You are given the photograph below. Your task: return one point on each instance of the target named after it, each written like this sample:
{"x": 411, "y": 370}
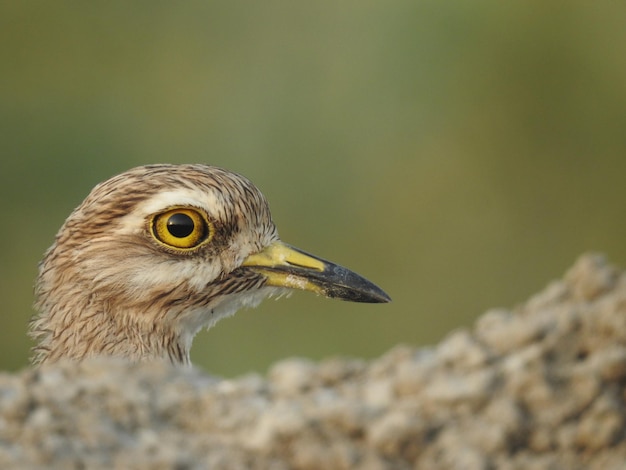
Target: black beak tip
{"x": 347, "y": 285}
{"x": 373, "y": 295}
{"x": 383, "y": 298}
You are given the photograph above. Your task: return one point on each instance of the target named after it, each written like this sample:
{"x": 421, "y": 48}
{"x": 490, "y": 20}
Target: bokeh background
{"x": 459, "y": 154}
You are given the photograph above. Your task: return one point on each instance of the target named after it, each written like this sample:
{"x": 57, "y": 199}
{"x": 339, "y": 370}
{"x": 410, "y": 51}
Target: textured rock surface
{"x": 540, "y": 387}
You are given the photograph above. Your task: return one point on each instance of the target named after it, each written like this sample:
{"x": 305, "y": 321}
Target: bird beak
{"x": 285, "y": 266}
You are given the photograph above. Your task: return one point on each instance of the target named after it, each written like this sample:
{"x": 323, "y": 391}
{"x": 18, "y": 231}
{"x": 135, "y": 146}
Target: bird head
{"x": 155, "y": 254}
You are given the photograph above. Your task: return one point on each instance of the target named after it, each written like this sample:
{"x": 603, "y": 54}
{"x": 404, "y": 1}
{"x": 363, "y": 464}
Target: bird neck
{"x": 98, "y": 332}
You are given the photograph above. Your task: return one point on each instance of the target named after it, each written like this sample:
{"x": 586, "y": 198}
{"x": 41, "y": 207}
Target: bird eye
{"x": 181, "y": 228}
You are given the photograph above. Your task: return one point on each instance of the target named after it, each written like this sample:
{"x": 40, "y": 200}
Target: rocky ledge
{"x": 538, "y": 387}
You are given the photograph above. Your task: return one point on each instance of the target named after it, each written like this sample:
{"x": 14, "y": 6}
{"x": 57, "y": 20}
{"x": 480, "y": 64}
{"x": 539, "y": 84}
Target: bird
{"x": 159, "y": 252}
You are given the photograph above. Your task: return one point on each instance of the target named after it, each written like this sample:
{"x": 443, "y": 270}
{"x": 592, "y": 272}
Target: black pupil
{"x": 180, "y": 225}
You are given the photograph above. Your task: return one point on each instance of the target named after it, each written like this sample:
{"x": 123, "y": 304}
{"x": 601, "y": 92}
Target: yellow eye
{"x": 181, "y": 228}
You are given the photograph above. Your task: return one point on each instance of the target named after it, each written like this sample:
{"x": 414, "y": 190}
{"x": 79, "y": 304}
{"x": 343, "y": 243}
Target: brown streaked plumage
{"x": 155, "y": 254}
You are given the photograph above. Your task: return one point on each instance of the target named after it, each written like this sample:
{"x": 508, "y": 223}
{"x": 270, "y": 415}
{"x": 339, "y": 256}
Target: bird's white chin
{"x": 193, "y": 320}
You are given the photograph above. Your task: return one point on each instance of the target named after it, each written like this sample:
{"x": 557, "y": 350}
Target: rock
{"x": 537, "y": 387}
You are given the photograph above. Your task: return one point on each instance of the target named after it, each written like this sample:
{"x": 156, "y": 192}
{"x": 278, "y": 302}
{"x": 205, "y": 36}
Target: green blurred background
{"x": 459, "y": 154}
